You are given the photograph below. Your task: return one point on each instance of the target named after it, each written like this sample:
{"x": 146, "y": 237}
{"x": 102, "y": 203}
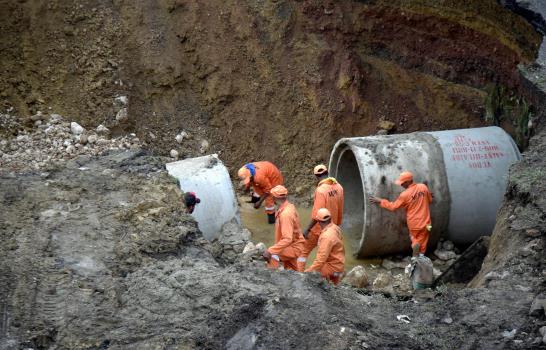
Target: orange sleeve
{"x": 325, "y": 247}
{"x": 319, "y": 202}
{"x": 397, "y": 204}
{"x": 287, "y": 232}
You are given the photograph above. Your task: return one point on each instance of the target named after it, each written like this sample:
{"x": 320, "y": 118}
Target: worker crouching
{"x": 330, "y": 260}
{"x": 261, "y": 177}
{"x": 288, "y": 235}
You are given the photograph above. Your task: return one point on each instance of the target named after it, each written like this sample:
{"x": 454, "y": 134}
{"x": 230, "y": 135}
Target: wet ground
{"x": 98, "y": 254}
{"x": 256, "y": 222}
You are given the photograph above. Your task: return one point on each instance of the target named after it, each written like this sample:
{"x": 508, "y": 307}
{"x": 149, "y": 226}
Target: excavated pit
{"x": 96, "y": 250}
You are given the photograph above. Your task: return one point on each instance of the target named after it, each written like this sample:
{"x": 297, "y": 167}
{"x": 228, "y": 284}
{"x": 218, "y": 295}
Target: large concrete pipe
{"x": 209, "y": 179}
{"x": 466, "y": 170}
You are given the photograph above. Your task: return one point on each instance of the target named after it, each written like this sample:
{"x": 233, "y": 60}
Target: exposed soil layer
{"x": 96, "y": 251}
{"x": 276, "y": 80}
{"x": 97, "y": 254}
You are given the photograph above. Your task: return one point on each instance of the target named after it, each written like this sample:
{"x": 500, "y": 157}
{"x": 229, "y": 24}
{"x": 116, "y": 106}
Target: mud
{"x": 105, "y": 258}
{"x": 255, "y": 221}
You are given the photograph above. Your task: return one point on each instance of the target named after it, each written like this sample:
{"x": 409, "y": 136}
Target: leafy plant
{"x": 501, "y": 105}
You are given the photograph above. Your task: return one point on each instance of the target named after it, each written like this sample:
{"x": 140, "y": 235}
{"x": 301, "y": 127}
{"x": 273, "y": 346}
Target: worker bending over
{"x": 329, "y": 195}
{"x": 416, "y": 199}
{"x": 288, "y": 237}
{"x": 330, "y": 260}
{"x": 261, "y": 177}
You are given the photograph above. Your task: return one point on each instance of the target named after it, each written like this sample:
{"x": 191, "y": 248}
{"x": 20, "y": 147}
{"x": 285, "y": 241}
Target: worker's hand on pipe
{"x": 376, "y": 200}
{"x": 266, "y": 255}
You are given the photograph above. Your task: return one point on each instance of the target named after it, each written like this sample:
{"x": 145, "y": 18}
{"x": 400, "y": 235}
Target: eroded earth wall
{"x": 280, "y": 80}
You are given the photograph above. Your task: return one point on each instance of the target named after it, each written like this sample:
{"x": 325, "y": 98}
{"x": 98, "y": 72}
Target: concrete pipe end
{"x": 346, "y": 169}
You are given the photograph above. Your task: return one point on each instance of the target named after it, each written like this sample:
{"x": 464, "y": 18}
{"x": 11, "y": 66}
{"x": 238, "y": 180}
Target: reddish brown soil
{"x": 274, "y": 80}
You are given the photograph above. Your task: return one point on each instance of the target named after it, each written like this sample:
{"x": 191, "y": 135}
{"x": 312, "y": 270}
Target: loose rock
{"x": 383, "y": 280}
{"x": 102, "y": 130}
{"x": 174, "y": 154}
{"x": 445, "y": 255}
{"x": 386, "y": 125}
{"x": 357, "y": 277}
{"x": 204, "y": 146}
{"x": 261, "y": 247}
{"x": 538, "y": 307}
{"x": 76, "y": 128}
{"x": 121, "y": 101}
{"x": 249, "y": 247}
{"x": 448, "y": 245}
{"x": 122, "y": 116}
{"x": 180, "y": 137}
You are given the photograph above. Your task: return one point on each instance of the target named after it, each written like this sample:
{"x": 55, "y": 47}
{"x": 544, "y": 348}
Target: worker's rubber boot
{"x": 415, "y": 249}
{"x": 271, "y": 219}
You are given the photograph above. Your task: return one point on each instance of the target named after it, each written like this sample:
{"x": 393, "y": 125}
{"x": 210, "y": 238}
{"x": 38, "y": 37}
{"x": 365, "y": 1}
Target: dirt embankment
{"x": 97, "y": 254}
{"x": 276, "y": 80}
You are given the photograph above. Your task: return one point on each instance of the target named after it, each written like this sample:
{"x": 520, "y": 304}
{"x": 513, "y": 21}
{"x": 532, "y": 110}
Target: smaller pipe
{"x": 209, "y": 179}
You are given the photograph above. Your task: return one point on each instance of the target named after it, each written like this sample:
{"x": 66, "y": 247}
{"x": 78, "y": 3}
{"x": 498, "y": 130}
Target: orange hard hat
{"x": 320, "y": 169}
{"x": 404, "y": 177}
{"x": 279, "y": 191}
{"x": 244, "y": 175}
{"x": 323, "y": 214}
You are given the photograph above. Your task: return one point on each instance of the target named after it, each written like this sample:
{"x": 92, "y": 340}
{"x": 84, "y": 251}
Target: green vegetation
{"x": 501, "y": 105}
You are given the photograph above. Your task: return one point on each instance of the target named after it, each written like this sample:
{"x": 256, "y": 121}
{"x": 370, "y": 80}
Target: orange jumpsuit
{"x": 288, "y": 238}
{"x": 330, "y": 260}
{"x": 329, "y": 195}
{"x": 416, "y": 200}
{"x": 267, "y": 176}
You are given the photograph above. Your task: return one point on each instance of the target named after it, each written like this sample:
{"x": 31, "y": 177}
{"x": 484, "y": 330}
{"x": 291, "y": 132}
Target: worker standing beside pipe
{"x": 330, "y": 260}
{"x": 416, "y": 199}
{"x": 262, "y": 177}
{"x": 328, "y": 194}
{"x": 288, "y": 237}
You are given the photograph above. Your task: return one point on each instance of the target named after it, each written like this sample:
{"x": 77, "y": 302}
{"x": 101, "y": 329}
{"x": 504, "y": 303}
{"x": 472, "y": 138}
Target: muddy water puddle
{"x": 256, "y": 222}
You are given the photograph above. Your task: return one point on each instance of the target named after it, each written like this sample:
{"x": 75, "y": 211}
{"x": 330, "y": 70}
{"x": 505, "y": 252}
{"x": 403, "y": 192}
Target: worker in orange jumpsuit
{"x": 261, "y": 177}
{"x": 288, "y": 237}
{"x": 330, "y": 260}
{"x": 329, "y": 195}
{"x": 416, "y": 199}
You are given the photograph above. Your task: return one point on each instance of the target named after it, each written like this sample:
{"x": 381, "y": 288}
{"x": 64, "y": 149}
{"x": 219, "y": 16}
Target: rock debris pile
{"x": 52, "y": 138}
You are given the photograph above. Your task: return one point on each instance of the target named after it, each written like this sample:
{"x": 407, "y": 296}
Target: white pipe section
{"x": 466, "y": 169}
{"x": 209, "y": 179}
